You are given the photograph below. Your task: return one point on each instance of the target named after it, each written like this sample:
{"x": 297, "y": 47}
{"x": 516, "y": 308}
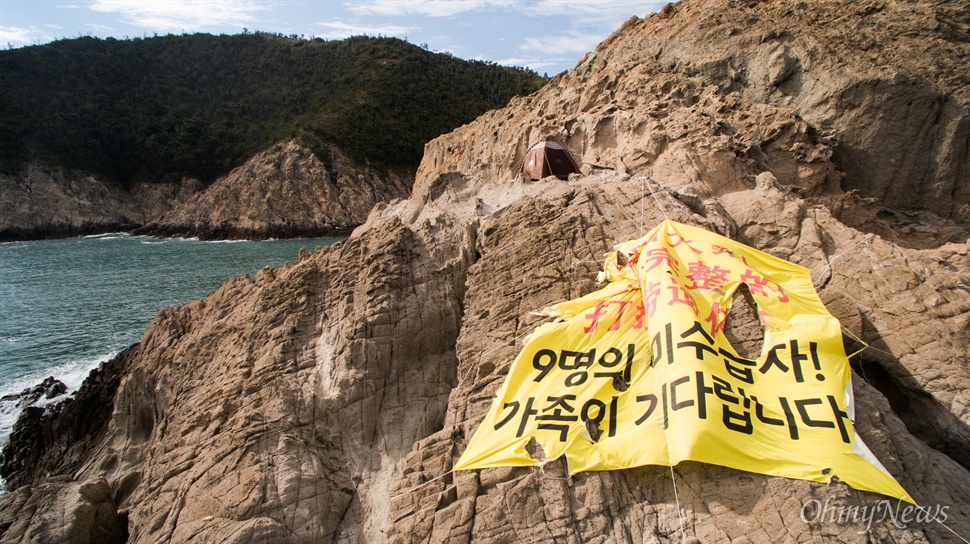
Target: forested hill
{"x": 199, "y": 105}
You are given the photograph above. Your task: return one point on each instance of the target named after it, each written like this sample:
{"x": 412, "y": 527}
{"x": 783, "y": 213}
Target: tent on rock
{"x": 546, "y": 159}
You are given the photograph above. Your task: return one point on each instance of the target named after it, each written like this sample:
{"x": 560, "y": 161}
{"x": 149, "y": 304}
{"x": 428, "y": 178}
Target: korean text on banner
{"x": 641, "y": 373}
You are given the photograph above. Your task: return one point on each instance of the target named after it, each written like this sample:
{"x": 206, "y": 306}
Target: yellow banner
{"x": 640, "y": 372}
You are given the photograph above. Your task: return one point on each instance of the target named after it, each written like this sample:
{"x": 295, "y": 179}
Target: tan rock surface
{"x": 884, "y": 81}
{"x": 284, "y": 192}
{"x": 326, "y": 401}
{"x": 43, "y": 202}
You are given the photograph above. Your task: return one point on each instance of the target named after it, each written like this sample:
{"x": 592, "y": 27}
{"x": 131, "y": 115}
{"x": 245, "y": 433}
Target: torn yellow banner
{"x": 640, "y": 372}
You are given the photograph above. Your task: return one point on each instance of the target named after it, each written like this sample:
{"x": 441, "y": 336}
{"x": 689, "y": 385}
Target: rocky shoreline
{"x": 54, "y": 437}
{"x": 229, "y": 232}
{"x": 286, "y": 192}
{"x": 202, "y": 232}
{"x": 55, "y": 232}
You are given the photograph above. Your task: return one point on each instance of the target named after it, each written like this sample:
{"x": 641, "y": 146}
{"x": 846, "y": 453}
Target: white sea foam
{"x": 72, "y": 374}
{"x": 104, "y": 310}
{"x": 107, "y": 235}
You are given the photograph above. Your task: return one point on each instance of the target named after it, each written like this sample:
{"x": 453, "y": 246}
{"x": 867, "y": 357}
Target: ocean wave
{"x": 107, "y": 236}
{"x": 71, "y": 374}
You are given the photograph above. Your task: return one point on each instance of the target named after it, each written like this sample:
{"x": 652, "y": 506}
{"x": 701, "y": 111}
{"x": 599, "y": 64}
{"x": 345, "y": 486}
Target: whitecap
{"x": 71, "y": 374}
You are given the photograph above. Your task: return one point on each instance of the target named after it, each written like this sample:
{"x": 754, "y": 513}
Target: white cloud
{"x": 573, "y": 42}
{"x": 432, "y": 8}
{"x": 188, "y": 15}
{"x": 337, "y": 30}
{"x": 597, "y": 10}
{"x": 537, "y": 64}
{"x": 99, "y": 29}
{"x": 21, "y": 36}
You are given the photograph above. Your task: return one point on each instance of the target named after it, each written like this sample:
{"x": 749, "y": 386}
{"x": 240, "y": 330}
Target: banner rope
{"x": 655, "y": 199}
{"x": 830, "y": 262}
{"x": 937, "y": 519}
{"x": 419, "y": 486}
{"x": 683, "y": 534}
{"x": 643, "y": 183}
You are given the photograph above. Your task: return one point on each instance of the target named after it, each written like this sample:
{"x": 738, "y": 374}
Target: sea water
{"x": 68, "y": 305}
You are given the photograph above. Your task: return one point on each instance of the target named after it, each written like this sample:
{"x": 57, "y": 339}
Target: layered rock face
{"x": 284, "y": 192}
{"x": 884, "y": 81}
{"x": 48, "y": 203}
{"x": 327, "y": 400}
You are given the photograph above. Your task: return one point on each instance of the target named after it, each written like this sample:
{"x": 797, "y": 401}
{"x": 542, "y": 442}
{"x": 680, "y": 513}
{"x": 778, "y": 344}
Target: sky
{"x": 548, "y": 36}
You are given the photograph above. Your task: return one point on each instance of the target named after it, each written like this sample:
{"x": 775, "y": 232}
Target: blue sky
{"x": 546, "y": 35}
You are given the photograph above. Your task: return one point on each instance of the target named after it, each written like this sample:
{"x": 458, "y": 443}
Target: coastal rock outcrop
{"x": 50, "y": 388}
{"x": 42, "y": 202}
{"x": 327, "y": 400}
{"x": 284, "y": 192}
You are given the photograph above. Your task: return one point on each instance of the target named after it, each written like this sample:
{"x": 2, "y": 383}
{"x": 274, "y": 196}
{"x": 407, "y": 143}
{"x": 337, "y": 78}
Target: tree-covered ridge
{"x": 199, "y": 105}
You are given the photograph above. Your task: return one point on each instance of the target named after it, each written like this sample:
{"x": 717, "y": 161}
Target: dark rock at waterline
{"x": 54, "y": 231}
{"x": 27, "y": 440}
{"x": 228, "y": 231}
{"x": 50, "y": 439}
{"x": 48, "y": 389}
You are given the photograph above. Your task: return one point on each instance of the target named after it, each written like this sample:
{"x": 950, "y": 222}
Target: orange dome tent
{"x": 546, "y": 159}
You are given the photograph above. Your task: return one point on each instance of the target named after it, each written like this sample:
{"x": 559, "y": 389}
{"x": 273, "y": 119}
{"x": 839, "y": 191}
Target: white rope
{"x": 830, "y": 262}
{"x": 419, "y": 486}
{"x": 504, "y": 345}
{"x": 683, "y": 534}
{"x": 937, "y": 519}
{"x": 657, "y": 200}
{"x": 643, "y": 183}
{"x": 514, "y": 340}
{"x": 542, "y": 469}
{"x": 680, "y": 516}
{"x": 865, "y": 344}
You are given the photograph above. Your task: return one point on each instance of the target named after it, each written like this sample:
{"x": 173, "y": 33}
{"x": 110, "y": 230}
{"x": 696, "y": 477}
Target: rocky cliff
{"x": 883, "y": 82}
{"x": 282, "y": 193}
{"x": 326, "y": 401}
{"x": 45, "y": 202}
